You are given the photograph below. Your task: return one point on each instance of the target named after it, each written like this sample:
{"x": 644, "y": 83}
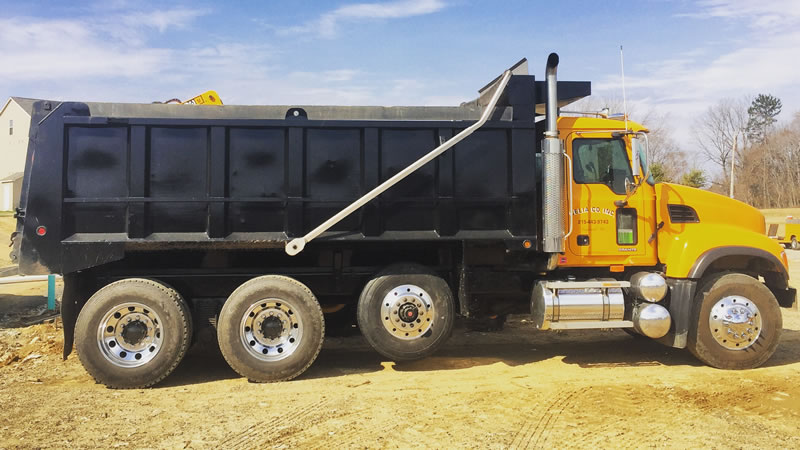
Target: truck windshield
{"x": 601, "y": 161}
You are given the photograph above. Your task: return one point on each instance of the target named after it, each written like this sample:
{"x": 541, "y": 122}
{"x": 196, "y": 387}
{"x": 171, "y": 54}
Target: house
{"x": 10, "y": 187}
{"x": 15, "y": 121}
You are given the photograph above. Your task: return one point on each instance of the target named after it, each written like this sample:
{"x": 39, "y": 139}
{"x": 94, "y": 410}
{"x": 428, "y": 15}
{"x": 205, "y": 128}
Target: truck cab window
{"x": 601, "y": 161}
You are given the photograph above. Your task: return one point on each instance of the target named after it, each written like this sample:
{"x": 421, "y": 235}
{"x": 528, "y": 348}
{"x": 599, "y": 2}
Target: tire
{"x": 795, "y": 245}
{"x": 428, "y": 307}
{"x": 271, "y": 329}
{"x": 710, "y": 340}
{"x": 133, "y": 333}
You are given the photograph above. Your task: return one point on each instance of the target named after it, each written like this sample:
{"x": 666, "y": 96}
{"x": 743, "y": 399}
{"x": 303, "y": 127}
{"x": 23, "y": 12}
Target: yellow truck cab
{"x": 712, "y": 250}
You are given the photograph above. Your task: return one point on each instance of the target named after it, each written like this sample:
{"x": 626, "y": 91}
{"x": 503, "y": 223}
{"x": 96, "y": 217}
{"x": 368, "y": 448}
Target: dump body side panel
{"x": 109, "y": 185}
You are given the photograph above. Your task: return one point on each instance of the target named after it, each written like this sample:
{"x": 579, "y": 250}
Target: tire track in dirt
{"x": 266, "y": 431}
{"x": 536, "y": 432}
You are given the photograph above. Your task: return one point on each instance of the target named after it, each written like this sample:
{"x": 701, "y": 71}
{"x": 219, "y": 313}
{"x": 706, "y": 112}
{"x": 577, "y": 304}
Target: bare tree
{"x": 770, "y": 171}
{"x": 716, "y": 128}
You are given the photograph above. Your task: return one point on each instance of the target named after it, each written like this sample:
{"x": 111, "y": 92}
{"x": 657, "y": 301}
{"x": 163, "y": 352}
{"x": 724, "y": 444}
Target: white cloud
{"x": 163, "y": 19}
{"x": 328, "y": 24}
{"x": 36, "y": 49}
{"x": 767, "y": 14}
{"x": 760, "y": 55}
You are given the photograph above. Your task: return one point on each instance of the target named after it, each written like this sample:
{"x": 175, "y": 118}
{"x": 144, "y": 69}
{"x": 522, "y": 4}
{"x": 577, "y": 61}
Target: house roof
{"x": 13, "y": 177}
{"x": 24, "y": 103}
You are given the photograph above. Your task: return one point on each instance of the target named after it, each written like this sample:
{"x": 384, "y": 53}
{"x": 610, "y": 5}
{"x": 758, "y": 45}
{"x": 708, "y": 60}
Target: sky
{"x": 680, "y": 56}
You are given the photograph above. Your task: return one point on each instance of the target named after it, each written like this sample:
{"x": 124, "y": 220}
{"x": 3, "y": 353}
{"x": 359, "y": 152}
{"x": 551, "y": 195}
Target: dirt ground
{"x": 7, "y": 226}
{"x": 513, "y": 389}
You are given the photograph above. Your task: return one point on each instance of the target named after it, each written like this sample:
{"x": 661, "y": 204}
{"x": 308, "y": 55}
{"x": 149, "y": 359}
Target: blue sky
{"x": 681, "y": 56}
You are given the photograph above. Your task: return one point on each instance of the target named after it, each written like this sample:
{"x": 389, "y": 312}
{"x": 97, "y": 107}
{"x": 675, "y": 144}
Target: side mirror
{"x": 636, "y": 145}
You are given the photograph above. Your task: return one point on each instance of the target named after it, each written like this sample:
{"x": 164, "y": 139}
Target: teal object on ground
{"x": 51, "y": 292}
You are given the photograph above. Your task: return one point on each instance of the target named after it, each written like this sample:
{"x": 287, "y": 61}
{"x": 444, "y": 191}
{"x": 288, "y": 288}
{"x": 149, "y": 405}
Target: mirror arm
{"x": 623, "y": 203}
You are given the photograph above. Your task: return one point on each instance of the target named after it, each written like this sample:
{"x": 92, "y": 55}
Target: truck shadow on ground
{"x": 622, "y": 351}
{"x": 347, "y": 356}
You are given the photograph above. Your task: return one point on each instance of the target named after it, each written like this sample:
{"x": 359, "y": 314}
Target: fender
{"x": 689, "y": 253}
{"x": 769, "y": 261}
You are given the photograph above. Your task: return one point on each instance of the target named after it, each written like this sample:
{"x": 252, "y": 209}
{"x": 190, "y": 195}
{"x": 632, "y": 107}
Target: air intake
{"x": 682, "y": 214}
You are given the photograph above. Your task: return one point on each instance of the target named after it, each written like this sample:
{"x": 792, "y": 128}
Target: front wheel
{"x": 737, "y": 322}
{"x": 795, "y": 244}
{"x": 271, "y": 329}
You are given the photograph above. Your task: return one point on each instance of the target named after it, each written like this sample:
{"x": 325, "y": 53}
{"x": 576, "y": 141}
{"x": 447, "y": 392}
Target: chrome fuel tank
{"x": 579, "y": 304}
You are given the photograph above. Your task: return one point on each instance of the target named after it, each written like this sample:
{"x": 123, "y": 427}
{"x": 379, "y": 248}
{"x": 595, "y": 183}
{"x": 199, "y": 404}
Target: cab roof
{"x": 597, "y": 123}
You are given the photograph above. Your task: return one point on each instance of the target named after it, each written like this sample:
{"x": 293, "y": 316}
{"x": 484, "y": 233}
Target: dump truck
{"x": 267, "y": 224}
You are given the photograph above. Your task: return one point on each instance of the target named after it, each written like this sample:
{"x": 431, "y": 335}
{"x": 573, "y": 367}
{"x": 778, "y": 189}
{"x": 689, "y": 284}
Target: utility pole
{"x": 733, "y": 158}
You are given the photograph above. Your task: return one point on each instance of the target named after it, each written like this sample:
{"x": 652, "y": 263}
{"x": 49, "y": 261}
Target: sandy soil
{"x": 514, "y": 389}
{"x": 7, "y": 226}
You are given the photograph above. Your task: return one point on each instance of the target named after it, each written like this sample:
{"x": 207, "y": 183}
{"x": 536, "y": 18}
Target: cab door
{"x": 602, "y": 231}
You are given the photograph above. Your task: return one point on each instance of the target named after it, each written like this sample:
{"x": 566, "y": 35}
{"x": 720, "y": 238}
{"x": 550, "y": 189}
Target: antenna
{"x": 624, "y": 100}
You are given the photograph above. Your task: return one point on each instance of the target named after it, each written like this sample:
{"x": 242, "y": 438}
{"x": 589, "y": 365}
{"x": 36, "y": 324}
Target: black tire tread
{"x": 707, "y": 355}
{"x": 311, "y": 360}
{"x": 186, "y": 316}
{"x": 368, "y": 291}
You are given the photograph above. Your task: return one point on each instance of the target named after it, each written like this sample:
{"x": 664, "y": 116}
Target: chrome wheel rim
{"x": 407, "y": 312}
{"x": 735, "y": 322}
{"x": 271, "y": 329}
{"x": 130, "y": 335}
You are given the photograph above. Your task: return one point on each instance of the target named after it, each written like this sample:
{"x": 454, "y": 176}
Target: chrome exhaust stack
{"x": 553, "y": 170}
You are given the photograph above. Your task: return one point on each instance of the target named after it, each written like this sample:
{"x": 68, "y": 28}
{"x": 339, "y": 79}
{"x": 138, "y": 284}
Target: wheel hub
{"x": 134, "y": 332}
{"x": 130, "y": 335}
{"x": 407, "y": 312}
{"x": 271, "y": 329}
{"x": 735, "y": 322}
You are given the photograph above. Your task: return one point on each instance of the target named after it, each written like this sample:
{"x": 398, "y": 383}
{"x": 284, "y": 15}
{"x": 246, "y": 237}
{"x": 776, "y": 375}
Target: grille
{"x": 682, "y": 214}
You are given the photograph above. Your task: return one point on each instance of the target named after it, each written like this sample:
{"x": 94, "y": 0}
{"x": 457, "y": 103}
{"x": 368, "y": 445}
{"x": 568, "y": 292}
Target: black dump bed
{"x": 102, "y": 179}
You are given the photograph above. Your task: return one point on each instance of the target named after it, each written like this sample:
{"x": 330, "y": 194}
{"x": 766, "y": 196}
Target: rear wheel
{"x": 737, "y": 322}
{"x": 406, "y": 313}
{"x": 795, "y": 244}
{"x": 133, "y": 333}
{"x": 271, "y": 329}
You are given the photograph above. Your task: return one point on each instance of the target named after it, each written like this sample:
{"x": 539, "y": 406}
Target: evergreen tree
{"x": 659, "y": 173}
{"x": 694, "y": 178}
{"x": 762, "y": 113}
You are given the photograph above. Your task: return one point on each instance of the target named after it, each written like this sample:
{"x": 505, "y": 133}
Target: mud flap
{"x": 787, "y": 298}
{"x": 71, "y": 302}
{"x": 680, "y": 308}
